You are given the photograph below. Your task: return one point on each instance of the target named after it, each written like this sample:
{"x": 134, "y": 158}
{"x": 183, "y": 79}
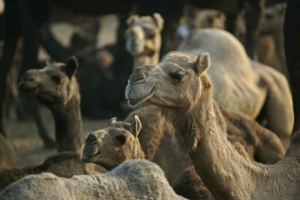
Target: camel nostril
{"x": 91, "y": 138}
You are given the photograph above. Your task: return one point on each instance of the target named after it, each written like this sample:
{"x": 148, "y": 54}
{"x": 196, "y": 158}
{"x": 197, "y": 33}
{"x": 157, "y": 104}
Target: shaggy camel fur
{"x": 64, "y": 164}
{"x": 7, "y": 152}
{"x": 245, "y": 86}
{"x": 143, "y": 38}
{"x": 114, "y": 144}
{"x": 156, "y": 139}
{"x": 55, "y": 85}
{"x": 180, "y": 87}
{"x": 134, "y": 179}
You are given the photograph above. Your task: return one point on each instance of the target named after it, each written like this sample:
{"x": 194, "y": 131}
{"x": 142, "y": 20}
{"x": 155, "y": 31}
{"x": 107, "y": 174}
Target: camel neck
{"x": 68, "y": 126}
{"x": 145, "y": 60}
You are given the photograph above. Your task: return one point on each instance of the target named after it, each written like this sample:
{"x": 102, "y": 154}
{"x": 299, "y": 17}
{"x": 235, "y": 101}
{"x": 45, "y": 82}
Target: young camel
{"x": 134, "y": 179}
{"x": 245, "y": 86}
{"x": 108, "y": 147}
{"x": 180, "y": 87}
{"x": 143, "y": 38}
{"x": 114, "y": 144}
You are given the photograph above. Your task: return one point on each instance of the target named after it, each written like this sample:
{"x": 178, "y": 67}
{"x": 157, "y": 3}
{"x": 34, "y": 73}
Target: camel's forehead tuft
{"x": 185, "y": 61}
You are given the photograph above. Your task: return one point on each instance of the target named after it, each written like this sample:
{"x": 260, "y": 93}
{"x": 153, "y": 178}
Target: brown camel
{"x": 143, "y": 38}
{"x": 246, "y": 86}
{"x": 180, "y": 87}
{"x": 55, "y": 85}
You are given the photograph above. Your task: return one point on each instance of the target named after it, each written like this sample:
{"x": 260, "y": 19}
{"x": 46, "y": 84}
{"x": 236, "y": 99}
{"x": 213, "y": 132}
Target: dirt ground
{"x": 24, "y": 133}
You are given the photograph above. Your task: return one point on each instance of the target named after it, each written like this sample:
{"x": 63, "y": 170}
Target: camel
{"x": 143, "y": 38}
{"x": 55, "y": 85}
{"x": 180, "y": 87}
{"x": 134, "y": 179}
{"x": 114, "y": 144}
{"x": 272, "y": 26}
{"x": 246, "y": 86}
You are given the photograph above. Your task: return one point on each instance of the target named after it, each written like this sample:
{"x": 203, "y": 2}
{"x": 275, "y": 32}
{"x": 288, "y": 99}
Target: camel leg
{"x": 253, "y": 16}
{"x": 292, "y": 52}
{"x": 30, "y": 28}
{"x": 12, "y": 32}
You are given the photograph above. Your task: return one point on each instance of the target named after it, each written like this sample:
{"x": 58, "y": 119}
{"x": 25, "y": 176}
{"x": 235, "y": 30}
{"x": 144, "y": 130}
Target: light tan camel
{"x": 180, "y": 87}
{"x": 143, "y": 38}
{"x": 114, "y": 144}
{"x": 206, "y": 18}
{"x": 244, "y": 86}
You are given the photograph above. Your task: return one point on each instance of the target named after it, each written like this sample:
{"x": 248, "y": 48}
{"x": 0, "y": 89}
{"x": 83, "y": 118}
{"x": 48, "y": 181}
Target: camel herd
{"x": 207, "y": 122}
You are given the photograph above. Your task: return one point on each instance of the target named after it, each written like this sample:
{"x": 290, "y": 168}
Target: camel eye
{"x": 177, "y": 76}
{"x": 121, "y": 139}
{"x": 56, "y": 79}
{"x": 149, "y": 33}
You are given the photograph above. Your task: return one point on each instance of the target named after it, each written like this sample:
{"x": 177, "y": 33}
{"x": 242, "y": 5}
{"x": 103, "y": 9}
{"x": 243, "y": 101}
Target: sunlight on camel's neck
{"x": 201, "y": 132}
{"x": 68, "y": 126}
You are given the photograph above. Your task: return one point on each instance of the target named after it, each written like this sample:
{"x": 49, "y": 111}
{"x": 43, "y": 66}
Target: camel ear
{"x": 202, "y": 63}
{"x": 46, "y": 63}
{"x": 281, "y": 8}
{"x": 112, "y": 120}
{"x": 132, "y": 19}
{"x": 136, "y": 126}
{"x": 158, "y": 20}
{"x": 72, "y": 66}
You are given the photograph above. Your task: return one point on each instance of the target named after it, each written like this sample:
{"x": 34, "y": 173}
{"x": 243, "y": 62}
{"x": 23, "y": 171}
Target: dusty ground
{"x": 24, "y": 133}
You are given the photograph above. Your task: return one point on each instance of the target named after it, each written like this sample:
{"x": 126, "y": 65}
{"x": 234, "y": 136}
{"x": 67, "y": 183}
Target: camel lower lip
{"x": 134, "y": 102}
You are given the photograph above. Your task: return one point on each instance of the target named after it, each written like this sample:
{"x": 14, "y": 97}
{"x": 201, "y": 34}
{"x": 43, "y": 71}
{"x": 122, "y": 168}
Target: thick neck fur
{"x": 68, "y": 125}
{"x": 136, "y": 151}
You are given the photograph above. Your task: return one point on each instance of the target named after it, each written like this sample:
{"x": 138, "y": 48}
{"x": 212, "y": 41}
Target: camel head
{"x": 176, "y": 82}
{"x": 273, "y": 19}
{"x": 54, "y": 83}
{"x": 143, "y": 34}
{"x": 207, "y": 18}
{"x": 114, "y": 144}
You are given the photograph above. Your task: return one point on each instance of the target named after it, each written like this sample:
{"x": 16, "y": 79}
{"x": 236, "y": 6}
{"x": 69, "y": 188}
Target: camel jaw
{"x": 134, "y": 99}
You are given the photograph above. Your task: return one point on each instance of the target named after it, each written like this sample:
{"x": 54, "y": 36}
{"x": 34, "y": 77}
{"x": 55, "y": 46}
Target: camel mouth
{"x": 90, "y": 158}
{"x": 134, "y": 102}
{"x": 91, "y": 152}
{"x": 27, "y": 88}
